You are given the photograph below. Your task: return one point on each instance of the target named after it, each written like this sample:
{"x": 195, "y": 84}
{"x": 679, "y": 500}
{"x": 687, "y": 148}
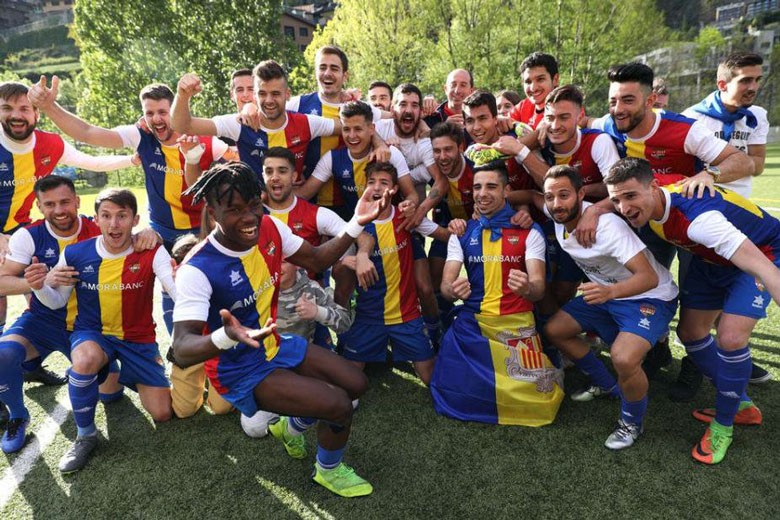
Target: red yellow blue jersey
{"x": 582, "y": 158}
{"x": 459, "y": 200}
{"x": 47, "y": 249}
{"x": 114, "y": 295}
{"x": 295, "y": 136}
{"x": 393, "y": 299}
{"x": 757, "y": 225}
{"x": 248, "y": 286}
{"x": 18, "y": 174}
{"x": 488, "y": 264}
{"x": 330, "y": 194}
{"x": 301, "y": 219}
{"x": 349, "y": 175}
{"x": 165, "y": 182}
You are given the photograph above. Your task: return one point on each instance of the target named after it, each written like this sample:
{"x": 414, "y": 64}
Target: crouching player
{"x": 629, "y": 303}
{"x": 389, "y": 311}
{"x": 230, "y": 283}
{"x": 491, "y": 367}
{"x": 734, "y": 274}
{"x": 114, "y": 292}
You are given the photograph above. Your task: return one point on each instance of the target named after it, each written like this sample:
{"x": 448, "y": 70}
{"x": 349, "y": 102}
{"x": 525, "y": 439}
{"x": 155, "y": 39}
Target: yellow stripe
{"x": 455, "y": 202}
{"x": 281, "y": 216}
{"x": 359, "y": 174}
{"x": 24, "y": 180}
{"x": 491, "y": 303}
{"x": 392, "y": 269}
{"x": 635, "y": 149}
{"x": 174, "y": 185}
{"x": 326, "y": 195}
{"x": 71, "y": 309}
{"x": 259, "y": 276}
{"x": 110, "y": 274}
{"x": 729, "y": 196}
{"x": 562, "y": 160}
{"x": 277, "y": 138}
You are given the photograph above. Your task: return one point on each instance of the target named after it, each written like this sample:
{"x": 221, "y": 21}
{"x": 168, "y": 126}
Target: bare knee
{"x": 337, "y": 407}
{"x": 731, "y": 340}
{"x": 88, "y": 358}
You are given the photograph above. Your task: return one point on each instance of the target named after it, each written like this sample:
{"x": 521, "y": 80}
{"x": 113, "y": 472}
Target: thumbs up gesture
{"x": 43, "y": 96}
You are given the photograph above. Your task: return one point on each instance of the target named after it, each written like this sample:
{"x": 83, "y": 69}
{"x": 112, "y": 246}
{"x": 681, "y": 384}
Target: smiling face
{"x": 742, "y": 89}
{"x": 237, "y": 220}
{"x": 481, "y": 124}
{"x": 157, "y": 114}
{"x": 458, "y": 88}
{"x": 629, "y": 105}
{"x": 60, "y": 208}
{"x": 381, "y": 97}
{"x": 357, "y": 133}
{"x": 489, "y": 192}
{"x": 270, "y": 97}
{"x": 242, "y": 90}
{"x": 504, "y": 106}
{"x": 330, "y": 74}
{"x": 116, "y": 224}
{"x": 447, "y": 155}
{"x": 407, "y": 113}
{"x": 278, "y": 175}
{"x": 562, "y": 200}
{"x": 637, "y": 202}
{"x": 537, "y": 83}
{"x": 562, "y": 118}
{"x": 18, "y": 117}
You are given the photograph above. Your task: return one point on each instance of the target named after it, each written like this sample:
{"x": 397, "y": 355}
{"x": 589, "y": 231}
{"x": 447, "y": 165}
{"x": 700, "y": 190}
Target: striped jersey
{"x": 459, "y": 200}
{"x": 592, "y": 156}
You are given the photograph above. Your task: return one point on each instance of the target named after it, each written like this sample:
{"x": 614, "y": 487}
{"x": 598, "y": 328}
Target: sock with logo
{"x": 597, "y": 371}
{"x": 633, "y": 412}
{"x": 733, "y": 374}
{"x": 12, "y": 354}
{"x": 83, "y": 391}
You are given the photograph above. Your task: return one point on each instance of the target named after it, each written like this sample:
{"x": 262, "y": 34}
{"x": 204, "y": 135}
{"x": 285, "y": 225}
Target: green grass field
{"x": 422, "y": 465}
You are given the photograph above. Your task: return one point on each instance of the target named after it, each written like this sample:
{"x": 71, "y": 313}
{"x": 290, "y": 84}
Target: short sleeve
{"x": 454, "y": 250}
{"x": 535, "y": 246}
{"x": 702, "y": 143}
{"x": 218, "y": 148}
{"x": 759, "y": 134}
{"x": 193, "y": 295}
{"x": 227, "y": 126}
{"x": 21, "y": 247}
{"x": 324, "y": 169}
{"x": 130, "y": 134}
{"x": 614, "y": 238}
{"x": 712, "y": 229}
{"x": 290, "y": 243}
{"x": 329, "y": 223}
{"x": 605, "y": 153}
{"x": 427, "y": 227}
{"x": 320, "y": 126}
{"x": 397, "y": 160}
{"x": 293, "y": 104}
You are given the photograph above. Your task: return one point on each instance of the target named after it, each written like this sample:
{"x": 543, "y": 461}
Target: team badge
{"x": 646, "y": 309}
{"x": 297, "y": 226}
{"x": 295, "y": 140}
{"x": 658, "y": 154}
{"x": 46, "y": 160}
{"x": 760, "y": 285}
{"x": 270, "y": 249}
{"x": 513, "y": 239}
{"x": 135, "y": 268}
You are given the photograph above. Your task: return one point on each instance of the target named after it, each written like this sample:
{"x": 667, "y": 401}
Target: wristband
{"x": 522, "y": 154}
{"x": 221, "y": 340}
{"x": 352, "y": 228}
{"x": 193, "y": 155}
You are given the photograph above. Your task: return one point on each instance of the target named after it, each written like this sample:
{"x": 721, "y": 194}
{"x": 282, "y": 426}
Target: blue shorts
{"x": 438, "y": 249}
{"x": 45, "y": 335}
{"x": 241, "y": 395}
{"x": 711, "y": 287}
{"x": 647, "y": 317}
{"x": 561, "y": 267}
{"x": 418, "y": 247}
{"x": 170, "y": 236}
{"x": 141, "y": 363}
{"x": 367, "y": 341}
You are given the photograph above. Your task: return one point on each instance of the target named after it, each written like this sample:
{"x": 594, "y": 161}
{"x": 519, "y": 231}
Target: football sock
{"x": 83, "y": 391}
{"x": 733, "y": 374}
{"x": 329, "y": 459}
{"x": 298, "y": 425}
{"x": 633, "y": 412}
{"x": 704, "y": 354}
{"x": 12, "y": 356}
{"x": 597, "y": 371}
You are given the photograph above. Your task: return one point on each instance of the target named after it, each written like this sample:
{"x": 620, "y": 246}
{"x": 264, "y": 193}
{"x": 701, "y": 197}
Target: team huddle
{"x": 289, "y": 239}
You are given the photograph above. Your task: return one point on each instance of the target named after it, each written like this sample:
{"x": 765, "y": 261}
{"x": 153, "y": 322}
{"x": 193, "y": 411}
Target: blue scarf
{"x": 712, "y": 106}
{"x": 500, "y": 220}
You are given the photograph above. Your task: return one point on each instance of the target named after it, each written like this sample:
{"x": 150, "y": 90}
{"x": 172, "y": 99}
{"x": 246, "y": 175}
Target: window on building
{"x": 289, "y": 30}
{"x": 303, "y": 31}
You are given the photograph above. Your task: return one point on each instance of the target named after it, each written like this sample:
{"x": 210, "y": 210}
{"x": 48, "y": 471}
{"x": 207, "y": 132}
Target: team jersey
{"x": 604, "y": 262}
{"x": 393, "y": 299}
{"x": 244, "y": 282}
{"x": 441, "y": 114}
{"x": 714, "y": 227}
{"x": 308, "y": 221}
{"x": 526, "y": 112}
{"x": 38, "y": 240}
{"x": 114, "y": 292}
{"x": 488, "y": 264}
{"x": 676, "y": 147}
{"x": 459, "y": 200}
{"x": 164, "y": 177}
{"x": 295, "y": 134}
{"x": 350, "y": 174}
{"x": 742, "y": 136}
{"x": 592, "y": 156}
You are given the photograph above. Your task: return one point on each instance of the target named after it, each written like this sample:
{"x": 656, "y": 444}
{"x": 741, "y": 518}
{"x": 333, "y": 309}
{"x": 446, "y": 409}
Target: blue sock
{"x": 83, "y": 391}
{"x": 597, "y": 371}
{"x": 633, "y": 411}
{"x": 704, "y": 354}
{"x": 329, "y": 459}
{"x": 733, "y": 374}
{"x": 298, "y": 425}
{"x": 112, "y": 397}
{"x": 167, "y": 305}
{"x": 12, "y": 356}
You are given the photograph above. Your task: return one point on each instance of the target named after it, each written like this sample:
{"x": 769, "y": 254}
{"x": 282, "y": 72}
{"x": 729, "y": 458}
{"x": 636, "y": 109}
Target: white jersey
{"x": 418, "y": 153}
{"x": 604, "y": 262}
{"x": 741, "y": 138}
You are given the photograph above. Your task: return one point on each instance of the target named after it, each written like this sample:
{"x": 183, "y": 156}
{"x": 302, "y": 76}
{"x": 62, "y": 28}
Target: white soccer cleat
{"x": 624, "y": 435}
{"x": 257, "y": 425}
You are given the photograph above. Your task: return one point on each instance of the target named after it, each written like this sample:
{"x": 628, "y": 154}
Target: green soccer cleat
{"x": 343, "y": 481}
{"x": 294, "y": 444}
{"x": 711, "y": 449}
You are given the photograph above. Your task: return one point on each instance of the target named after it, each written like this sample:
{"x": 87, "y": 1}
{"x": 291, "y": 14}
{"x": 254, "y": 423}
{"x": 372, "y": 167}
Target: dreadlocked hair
{"x": 234, "y": 177}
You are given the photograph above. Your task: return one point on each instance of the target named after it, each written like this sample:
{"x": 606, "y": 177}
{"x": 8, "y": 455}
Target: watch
{"x": 714, "y": 172}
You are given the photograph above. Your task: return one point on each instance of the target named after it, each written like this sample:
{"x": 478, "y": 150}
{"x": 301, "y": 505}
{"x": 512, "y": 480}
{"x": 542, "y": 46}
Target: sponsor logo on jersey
{"x": 157, "y": 151}
{"x": 345, "y": 174}
{"x": 474, "y": 241}
{"x": 4, "y": 167}
{"x": 88, "y": 269}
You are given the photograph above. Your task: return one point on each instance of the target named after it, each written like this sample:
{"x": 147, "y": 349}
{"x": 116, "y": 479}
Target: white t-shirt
{"x": 535, "y": 247}
{"x": 131, "y": 138}
{"x": 742, "y": 137}
{"x": 616, "y": 244}
{"x": 418, "y": 154}
{"x": 229, "y": 126}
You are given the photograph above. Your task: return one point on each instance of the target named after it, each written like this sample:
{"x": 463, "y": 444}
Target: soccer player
{"x": 629, "y": 302}
{"x": 27, "y": 154}
{"x": 230, "y": 284}
{"x": 114, "y": 289}
{"x": 506, "y": 101}
{"x": 380, "y": 95}
{"x": 459, "y": 86}
{"x": 732, "y": 277}
{"x": 389, "y": 311}
{"x": 491, "y": 367}
{"x": 539, "y": 74}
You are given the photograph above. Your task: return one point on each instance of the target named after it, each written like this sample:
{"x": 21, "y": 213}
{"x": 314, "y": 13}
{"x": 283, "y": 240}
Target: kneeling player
{"x": 628, "y": 303}
{"x": 230, "y": 283}
{"x": 114, "y": 292}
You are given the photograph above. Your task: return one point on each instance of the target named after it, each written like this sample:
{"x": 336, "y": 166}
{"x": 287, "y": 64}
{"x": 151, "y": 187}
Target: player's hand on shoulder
{"x": 146, "y": 239}
{"x": 461, "y": 288}
{"x": 59, "y": 276}
{"x": 585, "y": 232}
{"x": 697, "y": 185}
{"x": 189, "y": 85}
{"x": 380, "y": 153}
{"x": 523, "y": 219}
{"x": 423, "y": 130}
{"x": 250, "y": 116}
{"x": 595, "y": 294}
{"x": 42, "y": 96}
{"x": 457, "y": 227}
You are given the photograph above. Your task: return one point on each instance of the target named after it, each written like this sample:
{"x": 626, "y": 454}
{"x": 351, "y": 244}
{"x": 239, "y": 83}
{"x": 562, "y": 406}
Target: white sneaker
{"x": 624, "y": 435}
{"x": 590, "y": 393}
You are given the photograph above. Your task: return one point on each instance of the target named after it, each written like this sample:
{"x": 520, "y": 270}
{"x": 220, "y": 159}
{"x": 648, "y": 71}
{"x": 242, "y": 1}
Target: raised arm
{"x": 181, "y": 119}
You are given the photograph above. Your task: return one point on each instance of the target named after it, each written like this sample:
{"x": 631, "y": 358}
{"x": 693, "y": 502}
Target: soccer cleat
{"x": 294, "y": 444}
{"x": 590, "y": 393}
{"x": 343, "y": 481}
{"x": 15, "y": 435}
{"x": 688, "y": 382}
{"x": 624, "y": 436}
{"x": 45, "y": 376}
{"x": 78, "y": 454}
{"x": 658, "y": 357}
{"x": 759, "y": 375}
{"x": 750, "y": 415}
{"x": 711, "y": 449}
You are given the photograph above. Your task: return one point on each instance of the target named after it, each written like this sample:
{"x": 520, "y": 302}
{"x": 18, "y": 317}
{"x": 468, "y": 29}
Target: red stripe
{"x": 410, "y": 303}
{"x": 510, "y": 302}
{"x": 137, "y": 320}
